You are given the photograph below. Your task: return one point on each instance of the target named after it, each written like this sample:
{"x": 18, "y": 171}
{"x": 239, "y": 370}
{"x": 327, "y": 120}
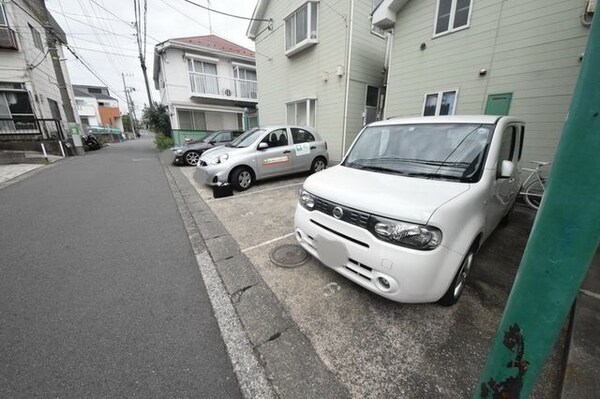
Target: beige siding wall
{"x": 529, "y": 47}
{"x": 312, "y": 72}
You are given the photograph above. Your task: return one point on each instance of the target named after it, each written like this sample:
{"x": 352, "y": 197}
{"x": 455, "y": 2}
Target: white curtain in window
{"x": 448, "y": 102}
{"x": 301, "y": 113}
{"x": 430, "y": 104}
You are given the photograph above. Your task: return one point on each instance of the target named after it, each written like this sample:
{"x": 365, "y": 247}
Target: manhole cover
{"x": 289, "y": 255}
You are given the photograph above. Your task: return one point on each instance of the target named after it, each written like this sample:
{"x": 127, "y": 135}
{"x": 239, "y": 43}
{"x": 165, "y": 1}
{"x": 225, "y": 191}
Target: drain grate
{"x": 288, "y": 255}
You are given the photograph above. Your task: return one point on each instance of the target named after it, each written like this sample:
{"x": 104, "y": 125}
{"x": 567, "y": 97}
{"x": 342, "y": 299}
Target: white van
{"x": 411, "y": 203}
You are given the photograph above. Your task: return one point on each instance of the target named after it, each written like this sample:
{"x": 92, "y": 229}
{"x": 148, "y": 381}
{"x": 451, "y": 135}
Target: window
{"x": 301, "y": 28}
{"x": 277, "y": 138}
{"x": 3, "y": 21}
{"x": 222, "y": 137}
{"x": 16, "y": 113}
{"x": 203, "y": 77}
{"x": 94, "y": 90}
{"x": 37, "y": 38}
{"x": 191, "y": 120}
{"x": 246, "y": 81}
{"x": 442, "y": 103}
{"x": 452, "y": 15}
{"x": 301, "y": 136}
{"x": 54, "y": 109}
{"x": 301, "y": 112}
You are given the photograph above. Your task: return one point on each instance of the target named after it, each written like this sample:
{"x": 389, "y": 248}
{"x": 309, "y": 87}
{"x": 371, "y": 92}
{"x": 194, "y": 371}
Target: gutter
{"x": 347, "y": 94}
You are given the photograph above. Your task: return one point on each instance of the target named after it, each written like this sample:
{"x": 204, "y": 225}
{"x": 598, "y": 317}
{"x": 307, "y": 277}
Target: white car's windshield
{"x": 445, "y": 151}
{"x": 247, "y": 138}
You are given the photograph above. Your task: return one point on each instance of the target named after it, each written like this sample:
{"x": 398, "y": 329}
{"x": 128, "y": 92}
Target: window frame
{"x": 307, "y": 41}
{"x": 451, "y": 29}
{"x": 36, "y": 36}
{"x": 438, "y": 104}
{"x": 307, "y": 101}
{"x": 4, "y": 16}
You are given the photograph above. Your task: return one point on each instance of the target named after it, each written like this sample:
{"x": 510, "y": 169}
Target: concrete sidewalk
{"x": 10, "y": 172}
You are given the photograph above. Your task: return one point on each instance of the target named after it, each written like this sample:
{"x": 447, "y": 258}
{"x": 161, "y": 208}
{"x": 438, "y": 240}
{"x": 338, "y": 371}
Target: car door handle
{"x": 286, "y": 151}
{"x": 313, "y": 147}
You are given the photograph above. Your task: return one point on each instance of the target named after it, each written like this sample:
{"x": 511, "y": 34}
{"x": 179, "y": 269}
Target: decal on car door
{"x": 302, "y": 149}
{"x": 275, "y": 160}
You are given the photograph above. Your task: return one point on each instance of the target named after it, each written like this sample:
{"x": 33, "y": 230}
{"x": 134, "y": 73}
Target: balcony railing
{"x": 8, "y": 39}
{"x": 28, "y": 125}
{"x": 216, "y": 86}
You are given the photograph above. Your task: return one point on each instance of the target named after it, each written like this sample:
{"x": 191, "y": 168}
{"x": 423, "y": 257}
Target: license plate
{"x": 331, "y": 253}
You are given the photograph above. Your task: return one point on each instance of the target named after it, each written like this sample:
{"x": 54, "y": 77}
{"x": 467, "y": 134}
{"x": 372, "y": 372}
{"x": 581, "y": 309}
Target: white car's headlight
{"x": 179, "y": 151}
{"x": 220, "y": 159}
{"x": 307, "y": 200}
{"x": 406, "y": 234}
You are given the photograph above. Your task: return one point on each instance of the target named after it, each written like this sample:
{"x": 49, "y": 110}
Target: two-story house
{"x": 320, "y": 64}
{"x": 106, "y": 113}
{"x": 207, "y": 82}
{"x": 36, "y": 97}
{"x": 498, "y": 57}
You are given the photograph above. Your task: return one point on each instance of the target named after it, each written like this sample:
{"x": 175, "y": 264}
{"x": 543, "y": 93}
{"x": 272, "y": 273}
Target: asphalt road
{"x": 100, "y": 293}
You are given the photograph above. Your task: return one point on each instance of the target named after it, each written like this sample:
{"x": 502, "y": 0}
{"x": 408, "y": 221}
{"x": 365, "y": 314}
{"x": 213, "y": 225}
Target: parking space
{"x": 379, "y": 348}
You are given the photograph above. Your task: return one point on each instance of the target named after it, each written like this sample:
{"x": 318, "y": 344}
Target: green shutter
{"x": 498, "y": 104}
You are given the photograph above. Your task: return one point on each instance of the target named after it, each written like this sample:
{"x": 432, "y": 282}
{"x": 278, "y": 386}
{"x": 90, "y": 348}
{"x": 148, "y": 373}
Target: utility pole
{"x": 140, "y": 28}
{"x": 562, "y": 244}
{"x": 130, "y": 106}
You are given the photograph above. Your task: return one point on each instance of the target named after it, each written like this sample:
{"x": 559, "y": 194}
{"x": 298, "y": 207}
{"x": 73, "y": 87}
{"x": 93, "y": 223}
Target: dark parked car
{"x": 189, "y": 154}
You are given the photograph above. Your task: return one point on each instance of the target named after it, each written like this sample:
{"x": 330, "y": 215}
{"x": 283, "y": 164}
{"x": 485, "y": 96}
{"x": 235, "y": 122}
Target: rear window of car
{"x": 301, "y": 136}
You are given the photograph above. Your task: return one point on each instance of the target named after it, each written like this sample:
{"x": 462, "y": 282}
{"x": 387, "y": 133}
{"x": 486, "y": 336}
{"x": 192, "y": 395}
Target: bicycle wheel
{"x": 533, "y": 193}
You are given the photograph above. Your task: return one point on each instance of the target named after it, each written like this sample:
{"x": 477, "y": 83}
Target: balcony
{"x": 222, "y": 87}
{"x": 20, "y": 126}
{"x": 8, "y": 39}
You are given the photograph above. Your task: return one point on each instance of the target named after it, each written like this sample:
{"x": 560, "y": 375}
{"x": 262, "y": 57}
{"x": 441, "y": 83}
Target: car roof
{"x": 482, "y": 119}
{"x": 269, "y": 127}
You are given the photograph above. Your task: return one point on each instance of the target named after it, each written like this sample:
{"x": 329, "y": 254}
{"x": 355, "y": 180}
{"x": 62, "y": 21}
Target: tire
{"x": 242, "y": 178}
{"x": 533, "y": 193}
{"x": 318, "y": 164}
{"x": 191, "y": 158}
{"x": 457, "y": 286}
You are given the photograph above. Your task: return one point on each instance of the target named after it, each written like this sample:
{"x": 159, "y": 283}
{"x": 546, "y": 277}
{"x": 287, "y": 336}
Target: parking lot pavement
{"x": 375, "y": 347}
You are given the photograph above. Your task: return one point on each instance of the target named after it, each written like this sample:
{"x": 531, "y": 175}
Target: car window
{"x": 301, "y": 136}
{"x": 276, "y": 138}
{"x": 225, "y": 136}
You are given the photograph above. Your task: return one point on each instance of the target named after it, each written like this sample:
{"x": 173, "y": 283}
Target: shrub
{"x": 163, "y": 142}
{"x": 156, "y": 117}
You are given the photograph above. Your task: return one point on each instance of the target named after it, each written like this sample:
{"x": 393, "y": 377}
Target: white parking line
{"x": 266, "y": 242}
{"x": 253, "y": 192}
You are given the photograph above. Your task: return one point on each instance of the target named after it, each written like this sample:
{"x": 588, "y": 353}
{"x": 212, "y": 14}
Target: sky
{"x": 109, "y": 46}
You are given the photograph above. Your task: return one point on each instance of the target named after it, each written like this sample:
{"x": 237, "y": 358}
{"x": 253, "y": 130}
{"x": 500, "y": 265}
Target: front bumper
{"x": 412, "y": 276}
{"x": 178, "y": 160}
{"x": 211, "y": 175}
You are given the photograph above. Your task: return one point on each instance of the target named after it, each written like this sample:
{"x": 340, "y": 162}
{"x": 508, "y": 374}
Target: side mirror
{"x": 263, "y": 146}
{"x": 507, "y": 168}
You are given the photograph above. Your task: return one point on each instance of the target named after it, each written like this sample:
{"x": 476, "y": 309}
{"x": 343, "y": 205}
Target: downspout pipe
{"x": 347, "y": 94}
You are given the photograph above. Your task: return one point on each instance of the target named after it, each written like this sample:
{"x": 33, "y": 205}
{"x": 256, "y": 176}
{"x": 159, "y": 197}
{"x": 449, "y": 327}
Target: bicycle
{"x": 532, "y": 191}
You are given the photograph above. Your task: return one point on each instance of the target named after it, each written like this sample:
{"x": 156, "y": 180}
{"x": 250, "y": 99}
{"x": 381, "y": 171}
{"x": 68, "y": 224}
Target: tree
{"x": 126, "y": 123}
{"x": 156, "y": 117}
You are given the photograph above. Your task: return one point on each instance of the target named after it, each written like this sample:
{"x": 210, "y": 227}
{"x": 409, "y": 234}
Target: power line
{"x": 225, "y": 13}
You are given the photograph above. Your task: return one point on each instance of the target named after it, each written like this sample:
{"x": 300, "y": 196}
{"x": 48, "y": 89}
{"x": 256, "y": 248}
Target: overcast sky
{"x": 109, "y": 46}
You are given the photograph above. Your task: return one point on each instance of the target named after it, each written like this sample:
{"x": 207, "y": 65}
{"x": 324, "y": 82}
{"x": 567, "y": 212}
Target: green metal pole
{"x": 563, "y": 241}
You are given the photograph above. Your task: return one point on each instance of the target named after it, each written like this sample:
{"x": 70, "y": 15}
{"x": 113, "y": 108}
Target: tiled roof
{"x": 216, "y": 43}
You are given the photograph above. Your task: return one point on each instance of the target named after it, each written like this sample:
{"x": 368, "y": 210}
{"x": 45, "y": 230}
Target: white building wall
{"x": 312, "y": 73}
{"x": 177, "y": 91}
{"x": 15, "y": 66}
{"x": 530, "y": 48}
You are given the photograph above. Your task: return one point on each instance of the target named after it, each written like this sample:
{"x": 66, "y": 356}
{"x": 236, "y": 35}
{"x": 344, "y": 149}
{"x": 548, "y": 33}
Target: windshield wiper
{"x": 381, "y": 169}
{"x": 434, "y": 175}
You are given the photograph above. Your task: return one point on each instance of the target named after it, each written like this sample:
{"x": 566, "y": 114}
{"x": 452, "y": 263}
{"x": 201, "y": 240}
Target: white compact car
{"x": 411, "y": 203}
{"x": 261, "y": 153}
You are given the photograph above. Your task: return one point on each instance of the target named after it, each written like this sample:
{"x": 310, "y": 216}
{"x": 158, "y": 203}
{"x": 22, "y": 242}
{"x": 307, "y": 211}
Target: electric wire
{"x": 225, "y": 13}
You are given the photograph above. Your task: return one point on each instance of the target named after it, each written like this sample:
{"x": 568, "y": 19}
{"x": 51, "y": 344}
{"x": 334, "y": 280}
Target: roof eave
{"x": 259, "y": 13}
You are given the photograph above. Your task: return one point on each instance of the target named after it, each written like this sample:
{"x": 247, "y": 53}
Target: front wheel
{"x": 191, "y": 158}
{"x": 458, "y": 283}
{"x": 318, "y": 165}
{"x": 242, "y": 179}
{"x": 533, "y": 193}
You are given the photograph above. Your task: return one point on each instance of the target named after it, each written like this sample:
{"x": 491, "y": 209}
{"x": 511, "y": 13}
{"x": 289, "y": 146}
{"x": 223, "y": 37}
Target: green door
{"x": 498, "y": 104}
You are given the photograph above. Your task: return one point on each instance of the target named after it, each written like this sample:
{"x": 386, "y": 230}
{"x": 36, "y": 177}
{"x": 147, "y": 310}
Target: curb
{"x": 271, "y": 357}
